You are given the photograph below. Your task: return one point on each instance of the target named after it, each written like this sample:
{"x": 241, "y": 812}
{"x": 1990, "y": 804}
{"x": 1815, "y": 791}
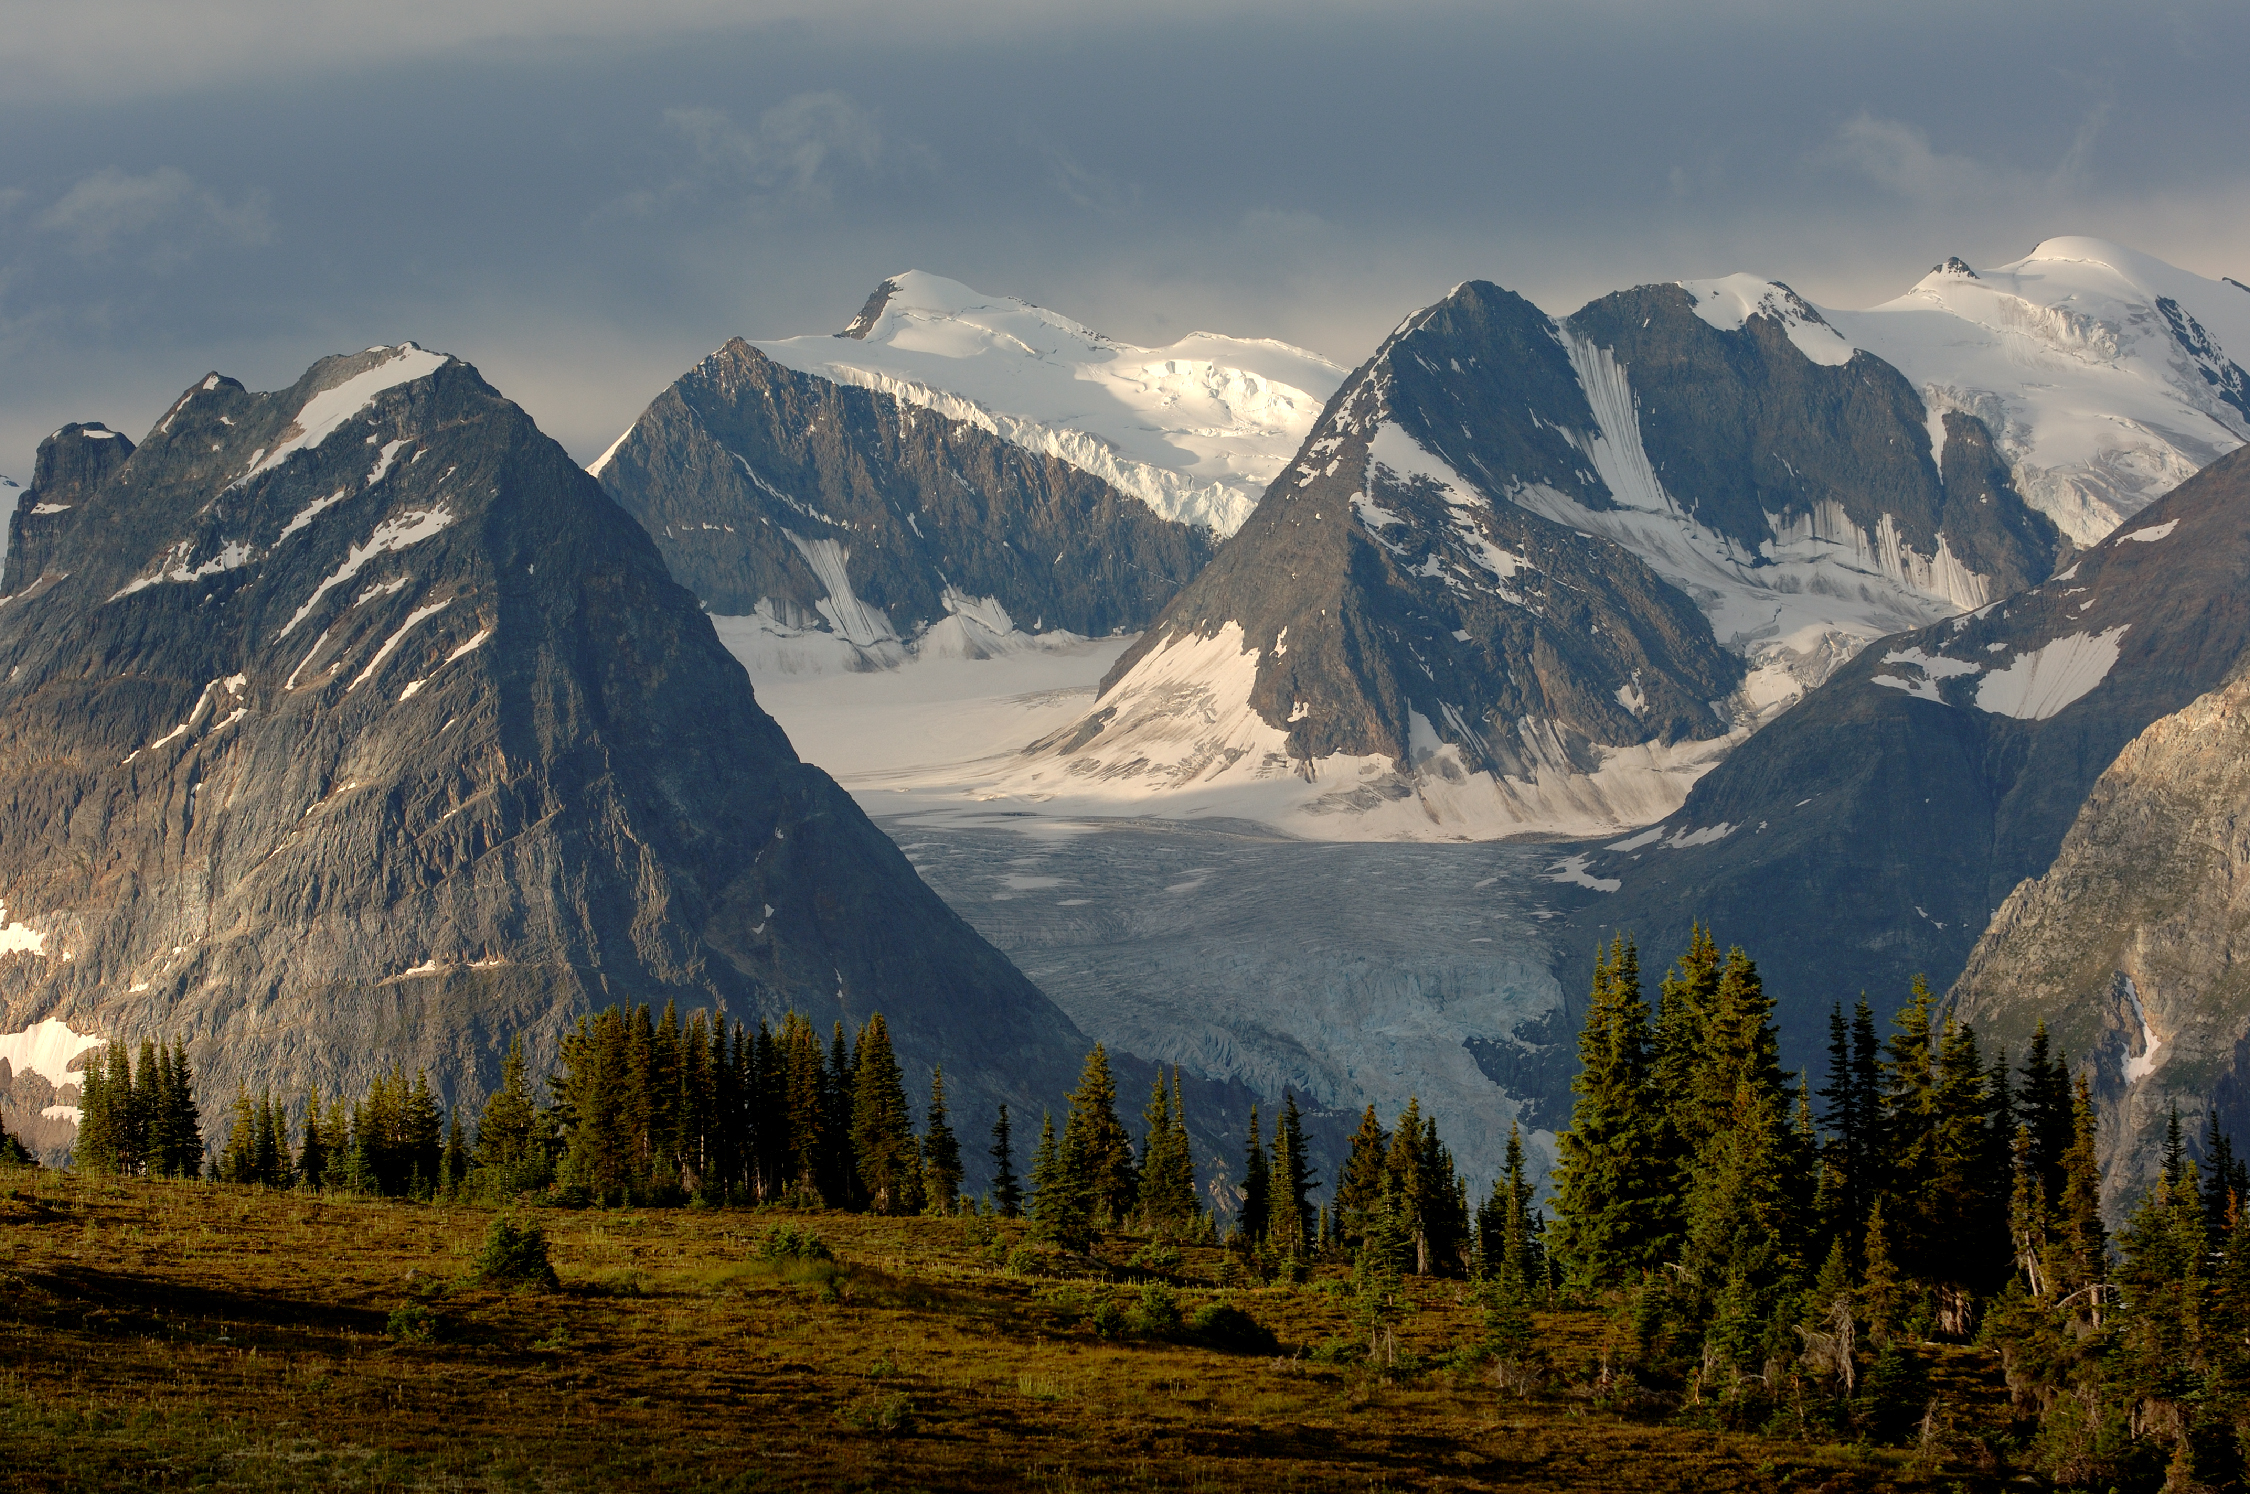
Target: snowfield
{"x": 1195, "y": 430}
{"x": 2103, "y": 373}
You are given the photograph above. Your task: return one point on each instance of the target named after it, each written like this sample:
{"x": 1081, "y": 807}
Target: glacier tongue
{"x": 1348, "y": 974}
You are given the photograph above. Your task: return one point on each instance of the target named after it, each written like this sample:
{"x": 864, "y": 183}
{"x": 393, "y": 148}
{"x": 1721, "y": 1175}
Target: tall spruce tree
{"x": 1096, "y": 1153}
{"x": 1362, "y": 1181}
{"x": 1290, "y": 1214}
{"x": 1007, "y": 1193}
{"x": 1167, "y": 1196}
{"x": 1061, "y": 1207}
{"x": 882, "y": 1132}
{"x": 1616, "y": 1188}
{"x": 941, "y": 1154}
{"x": 508, "y": 1146}
{"x": 1256, "y": 1215}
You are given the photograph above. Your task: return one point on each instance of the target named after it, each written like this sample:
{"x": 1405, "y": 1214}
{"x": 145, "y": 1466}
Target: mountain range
{"x": 353, "y": 724}
{"x": 353, "y": 720}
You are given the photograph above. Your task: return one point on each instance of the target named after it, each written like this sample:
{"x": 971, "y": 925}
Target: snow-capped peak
{"x": 2106, "y": 375}
{"x": 1195, "y": 430}
{"x": 1731, "y": 300}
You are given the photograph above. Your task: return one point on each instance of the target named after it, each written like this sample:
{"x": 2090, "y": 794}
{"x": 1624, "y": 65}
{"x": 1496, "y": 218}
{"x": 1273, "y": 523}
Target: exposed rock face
{"x": 2132, "y": 948}
{"x": 353, "y": 723}
{"x": 71, "y": 465}
{"x": 1873, "y": 830}
{"x": 821, "y": 505}
{"x": 1528, "y": 575}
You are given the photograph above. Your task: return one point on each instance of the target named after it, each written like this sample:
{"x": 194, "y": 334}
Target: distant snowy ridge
{"x": 1195, "y": 430}
{"x": 2106, "y": 376}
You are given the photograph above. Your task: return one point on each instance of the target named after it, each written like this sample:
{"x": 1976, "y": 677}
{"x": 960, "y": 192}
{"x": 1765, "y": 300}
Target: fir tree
{"x": 1362, "y": 1182}
{"x": 1290, "y": 1215}
{"x": 2226, "y": 1182}
{"x": 1167, "y": 1196}
{"x": 882, "y": 1133}
{"x": 453, "y": 1165}
{"x": 2082, "y": 1245}
{"x": 1007, "y": 1193}
{"x": 1097, "y": 1155}
{"x": 1615, "y": 1184}
{"x": 1257, "y": 1186}
{"x": 1061, "y": 1209}
{"x": 941, "y": 1154}
{"x": 421, "y": 1138}
{"x": 312, "y": 1157}
{"x": 508, "y": 1148}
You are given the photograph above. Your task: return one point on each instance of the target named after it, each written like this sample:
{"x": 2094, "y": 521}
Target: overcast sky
{"x": 584, "y": 198}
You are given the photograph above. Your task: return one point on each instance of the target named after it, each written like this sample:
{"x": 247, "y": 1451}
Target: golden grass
{"x": 187, "y": 1335}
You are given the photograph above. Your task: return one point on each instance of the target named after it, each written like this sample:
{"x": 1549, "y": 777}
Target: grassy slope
{"x": 182, "y": 1335}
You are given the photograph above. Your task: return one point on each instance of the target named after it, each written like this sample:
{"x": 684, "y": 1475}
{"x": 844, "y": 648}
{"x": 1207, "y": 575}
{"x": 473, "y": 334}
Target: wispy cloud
{"x": 796, "y": 146}
{"x": 1900, "y": 157}
{"x": 114, "y": 209}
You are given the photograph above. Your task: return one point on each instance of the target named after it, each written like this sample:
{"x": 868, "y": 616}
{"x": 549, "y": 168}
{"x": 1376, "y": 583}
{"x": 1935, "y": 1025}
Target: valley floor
{"x": 191, "y": 1335}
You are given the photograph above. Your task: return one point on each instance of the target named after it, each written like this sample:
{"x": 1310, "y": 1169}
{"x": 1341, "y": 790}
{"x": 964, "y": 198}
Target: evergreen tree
{"x": 1362, "y": 1182}
{"x": 1167, "y": 1196}
{"x": 2226, "y": 1181}
{"x": 453, "y": 1166}
{"x": 882, "y": 1132}
{"x": 2045, "y": 1104}
{"x": 839, "y": 1169}
{"x": 2082, "y": 1245}
{"x": 236, "y": 1164}
{"x": 804, "y": 1109}
{"x": 1290, "y": 1215}
{"x": 176, "y": 1129}
{"x": 1097, "y": 1155}
{"x": 312, "y": 1158}
{"x": 1256, "y": 1215}
{"x": 105, "y": 1103}
{"x": 941, "y": 1154}
{"x": 1687, "y": 1002}
{"x": 509, "y": 1149}
{"x": 1615, "y": 1184}
{"x": 421, "y": 1138}
{"x": 1061, "y": 1209}
{"x": 1007, "y": 1193}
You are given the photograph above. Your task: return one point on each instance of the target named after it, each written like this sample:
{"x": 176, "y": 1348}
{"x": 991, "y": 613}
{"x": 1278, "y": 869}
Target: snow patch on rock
{"x": 2045, "y": 681}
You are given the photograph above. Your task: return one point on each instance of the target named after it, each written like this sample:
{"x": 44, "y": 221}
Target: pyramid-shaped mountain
{"x": 1529, "y": 575}
{"x": 353, "y": 723}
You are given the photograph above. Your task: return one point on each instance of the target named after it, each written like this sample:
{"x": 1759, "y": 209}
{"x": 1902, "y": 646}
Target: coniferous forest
{"x": 1772, "y": 1254}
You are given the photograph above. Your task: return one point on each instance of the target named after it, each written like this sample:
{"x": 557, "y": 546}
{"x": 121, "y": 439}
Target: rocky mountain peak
{"x": 353, "y": 723}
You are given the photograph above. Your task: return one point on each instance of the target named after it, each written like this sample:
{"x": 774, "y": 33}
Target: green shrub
{"x": 879, "y": 1413}
{"x": 1158, "y": 1311}
{"x": 515, "y": 1255}
{"x": 411, "y": 1323}
{"x": 787, "y": 1242}
{"x": 1109, "y": 1320}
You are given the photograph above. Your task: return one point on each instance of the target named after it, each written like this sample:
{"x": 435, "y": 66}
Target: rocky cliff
{"x": 353, "y": 724}
{"x": 2132, "y": 946}
{"x": 819, "y": 507}
{"x": 1873, "y": 831}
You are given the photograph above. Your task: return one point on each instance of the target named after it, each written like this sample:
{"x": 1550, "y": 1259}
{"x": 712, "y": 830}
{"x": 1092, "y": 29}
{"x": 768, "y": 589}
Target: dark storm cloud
{"x": 583, "y": 204}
